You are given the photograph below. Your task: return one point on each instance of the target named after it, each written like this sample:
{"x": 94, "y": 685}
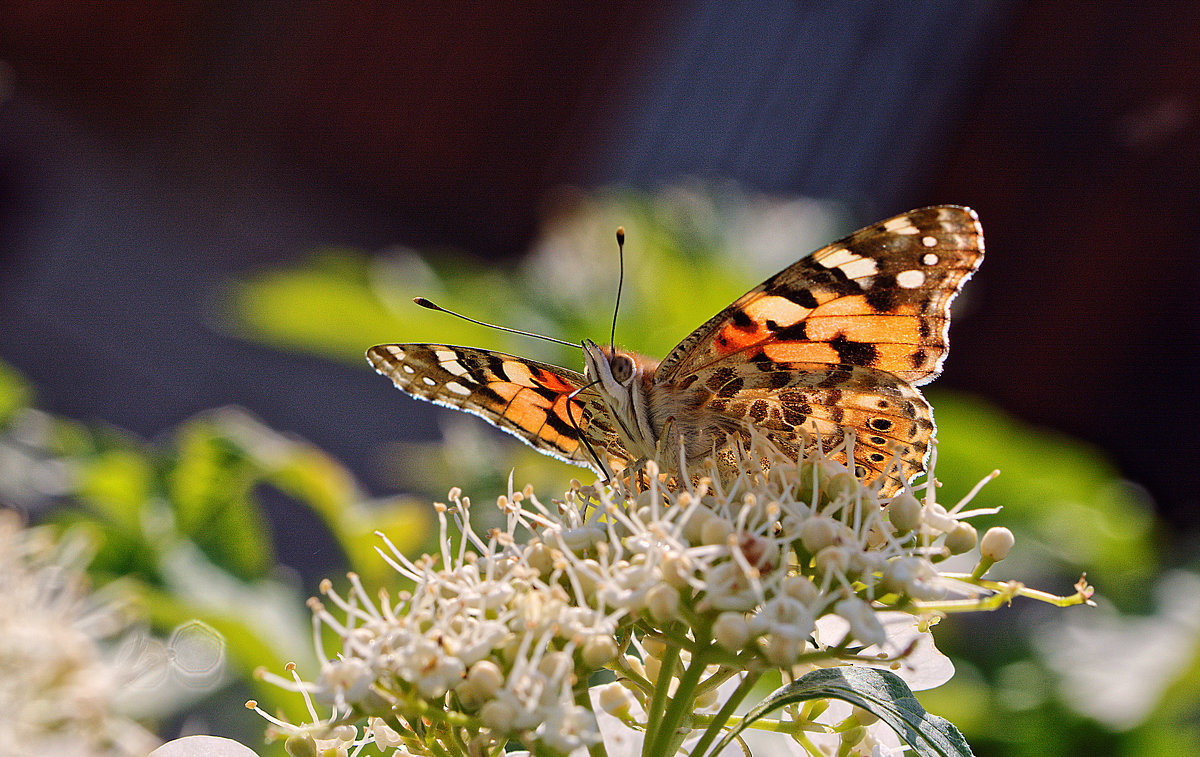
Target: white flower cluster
{"x": 784, "y": 566}
{"x": 58, "y": 677}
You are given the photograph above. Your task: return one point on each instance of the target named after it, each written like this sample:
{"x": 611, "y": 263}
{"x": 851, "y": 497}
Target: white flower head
{"x": 62, "y": 671}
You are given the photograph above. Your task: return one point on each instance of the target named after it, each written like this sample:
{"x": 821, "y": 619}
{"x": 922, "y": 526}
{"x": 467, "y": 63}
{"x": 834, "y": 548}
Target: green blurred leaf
{"x": 1067, "y": 500}
{"x": 209, "y": 486}
{"x": 15, "y": 393}
{"x": 118, "y": 482}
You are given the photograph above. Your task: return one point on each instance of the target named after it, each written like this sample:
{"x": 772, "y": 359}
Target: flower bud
{"x": 782, "y": 649}
{"x": 616, "y": 700}
{"x": 715, "y": 530}
{"x": 499, "y": 714}
{"x": 961, "y": 539}
{"x": 598, "y": 651}
{"x": 654, "y": 647}
{"x": 693, "y": 528}
{"x": 904, "y": 511}
{"x": 731, "y": 630}
{"x": 996, "y": 543}
{"x": 841, "y": 485}
{"x": 801, "y": 588}
{"x": 832, "y": 560}
{"x": 484, "y": 679}
{"x": 663, "y": 603}
{"x": 819, "y": 532}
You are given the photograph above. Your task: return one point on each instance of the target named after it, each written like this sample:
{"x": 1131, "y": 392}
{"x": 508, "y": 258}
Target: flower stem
{"x": 726, "y": 711}
{"x": 658, "y": 705}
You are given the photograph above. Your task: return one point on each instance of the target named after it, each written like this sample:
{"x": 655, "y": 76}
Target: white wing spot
{"x": 408, "y": 368}
{"x": 394, "y": 350}
{"x": 929, "y": 241}
{"x": 781, "y": 310}
{"x": 930, "y": 259}
{"x": 517, "y": 373}
{"x": 451, "y": 362}
{"x": 854, "y": 266}
{"x": 901, "y": 225}
{"x": 910, "y": 279}
{"x": 457, "y": 388}
{"x": 863, "y": 268}
{"x": 428, "y": 381}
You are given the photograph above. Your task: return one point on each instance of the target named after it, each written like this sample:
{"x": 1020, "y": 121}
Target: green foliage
{"x": 879, "y": 692}
{"x": 15, "y": 393}
{"x": 1070, "y": 507}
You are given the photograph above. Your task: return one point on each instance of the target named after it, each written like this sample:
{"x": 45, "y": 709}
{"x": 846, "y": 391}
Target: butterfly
{"x": 838, "y": 341}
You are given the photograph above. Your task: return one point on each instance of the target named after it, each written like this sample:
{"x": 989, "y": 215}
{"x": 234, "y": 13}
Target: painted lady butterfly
{"x": 839, "y": 340}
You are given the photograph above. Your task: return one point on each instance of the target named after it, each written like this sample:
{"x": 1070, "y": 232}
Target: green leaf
{"x": 15, "y": 393}
{"x": 118, "y": 482}
{"x": 209, "y": 485}
{"x": 879, "y": 692}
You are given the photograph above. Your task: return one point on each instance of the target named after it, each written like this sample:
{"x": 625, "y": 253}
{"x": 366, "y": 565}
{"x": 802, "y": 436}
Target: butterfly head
{"x": 621, "y": 379}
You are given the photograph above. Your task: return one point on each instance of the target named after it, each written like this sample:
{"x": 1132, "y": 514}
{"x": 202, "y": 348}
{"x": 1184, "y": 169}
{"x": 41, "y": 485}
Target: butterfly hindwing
{"x": 799, "y": 405}
{"x": 528, "y": 399}
{"x": 880, "y": 298}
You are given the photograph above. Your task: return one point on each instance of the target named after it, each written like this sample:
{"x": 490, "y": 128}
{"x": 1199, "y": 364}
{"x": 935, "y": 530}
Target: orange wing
{"x": 530, "y": 400}
{"x": 880, "y": 298}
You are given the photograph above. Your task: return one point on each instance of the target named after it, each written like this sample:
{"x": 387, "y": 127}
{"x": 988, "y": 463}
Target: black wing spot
{"x": 795, "y": 415}
{"x": 778, "y": 380}
{"x": 483, "y": 390}
{"x": 731, "y": 388}
{"x": 719, "y": 378}
{"x": 561, "y": 427}
{"x": 802, "y": 297}
{"x": 854, "y": 353}
{"x": 758, "y": 411}
{"x": 884, "y": 295}
{"x": 880, "y": 424}
{"x": 797, "y": 332}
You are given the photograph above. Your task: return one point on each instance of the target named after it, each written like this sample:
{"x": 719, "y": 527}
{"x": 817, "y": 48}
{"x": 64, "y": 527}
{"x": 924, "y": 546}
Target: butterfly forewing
{"x": 880, "y": 298}
{"x": 531, "y": 400}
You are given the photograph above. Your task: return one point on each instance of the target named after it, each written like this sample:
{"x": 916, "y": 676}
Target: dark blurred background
{"x": 151, "y": 151}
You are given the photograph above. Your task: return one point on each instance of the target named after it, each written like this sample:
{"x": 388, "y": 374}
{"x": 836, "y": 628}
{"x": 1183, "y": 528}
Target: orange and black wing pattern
{"x": 541, "y": 404}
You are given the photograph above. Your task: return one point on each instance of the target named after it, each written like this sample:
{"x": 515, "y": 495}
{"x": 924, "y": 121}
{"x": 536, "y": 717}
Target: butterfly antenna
{"x": 612, "y": 339}
{"x": 586, "y": 443}
{"x": 432, "y": 306}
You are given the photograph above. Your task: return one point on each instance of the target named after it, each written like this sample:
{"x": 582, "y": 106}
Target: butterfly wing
{"x": 800, "y": 404}
{"x": 543, "y": 405}
{"x": 880, "y": 298}
{"x": 863, "y": 320}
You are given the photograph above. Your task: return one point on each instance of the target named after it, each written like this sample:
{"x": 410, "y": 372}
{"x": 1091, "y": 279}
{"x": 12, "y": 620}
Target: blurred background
{"x": 209, "y": 210}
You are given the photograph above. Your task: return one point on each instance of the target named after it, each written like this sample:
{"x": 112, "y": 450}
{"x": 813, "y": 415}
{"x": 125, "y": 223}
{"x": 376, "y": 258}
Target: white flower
{"x": 59, "y": 676}
{"x": 758, "y": 563}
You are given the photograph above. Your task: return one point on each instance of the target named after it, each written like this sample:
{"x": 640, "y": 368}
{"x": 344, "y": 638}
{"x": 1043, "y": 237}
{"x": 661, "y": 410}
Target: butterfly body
{"x": 840, "y": 340}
